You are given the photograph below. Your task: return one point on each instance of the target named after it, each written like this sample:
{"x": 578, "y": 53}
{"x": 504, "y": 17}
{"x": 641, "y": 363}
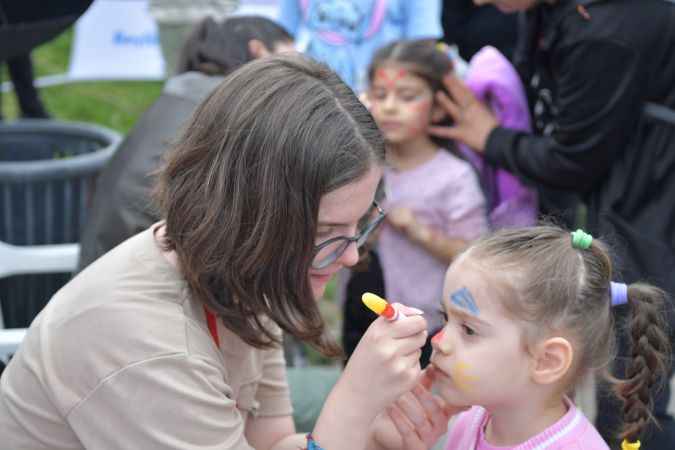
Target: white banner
{"x": 116, "y": 40}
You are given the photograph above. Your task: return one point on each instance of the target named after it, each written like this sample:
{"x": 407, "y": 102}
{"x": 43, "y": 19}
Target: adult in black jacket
{"x": 603, "y": 76}
{"x": 121, "y": 205}
{"x": 28, "y": 23}
{"x": 471, "y": 27}
{"x": 23, "y": 26}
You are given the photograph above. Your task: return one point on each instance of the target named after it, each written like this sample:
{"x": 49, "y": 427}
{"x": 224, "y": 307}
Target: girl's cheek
{"x": 422, "y": 112}
{"x": 375, "y": 109}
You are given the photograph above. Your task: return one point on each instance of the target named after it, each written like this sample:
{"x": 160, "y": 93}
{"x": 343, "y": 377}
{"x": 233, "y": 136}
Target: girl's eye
{"x": 444, "y": 314}
{"x": 408, "y": 95}
{"x": 468, "y": 330}
{"x": 378, "y": 94}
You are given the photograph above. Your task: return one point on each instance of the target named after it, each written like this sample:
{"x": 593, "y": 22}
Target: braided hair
{"x": 648, "y": 363}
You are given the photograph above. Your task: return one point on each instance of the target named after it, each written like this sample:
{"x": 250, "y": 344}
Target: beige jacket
{"x": 122, "y": 358}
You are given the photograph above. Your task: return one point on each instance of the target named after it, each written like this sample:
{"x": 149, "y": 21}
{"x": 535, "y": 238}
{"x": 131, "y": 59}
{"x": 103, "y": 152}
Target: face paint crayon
{"x": 380, "y": 306}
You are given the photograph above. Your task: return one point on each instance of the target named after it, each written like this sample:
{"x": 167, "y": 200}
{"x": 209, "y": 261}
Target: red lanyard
{"x": 212, "y": 323}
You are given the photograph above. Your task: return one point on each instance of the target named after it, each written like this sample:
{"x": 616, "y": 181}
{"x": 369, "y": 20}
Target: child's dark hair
{"x": 217, "y": 48}
{"x": 558, "y": 287}
{"x": 422, "y": 57}
{"x": 240, "y": 191}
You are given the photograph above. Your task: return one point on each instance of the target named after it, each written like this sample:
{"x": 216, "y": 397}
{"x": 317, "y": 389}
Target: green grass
{"x": 113, "y": 104}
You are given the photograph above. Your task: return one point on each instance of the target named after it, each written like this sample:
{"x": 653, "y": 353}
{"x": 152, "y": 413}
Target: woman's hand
{"x": 473, "y": 120}
{"x": 416, "y": 421}
{"x": 385, "y": 363}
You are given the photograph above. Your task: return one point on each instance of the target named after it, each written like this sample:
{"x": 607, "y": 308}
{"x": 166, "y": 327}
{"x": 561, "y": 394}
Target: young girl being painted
{"x": 529, "y": 314}
{"x": 433, "y": 198}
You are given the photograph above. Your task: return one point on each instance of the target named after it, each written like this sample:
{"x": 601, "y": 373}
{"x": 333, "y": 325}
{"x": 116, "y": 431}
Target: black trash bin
{"x": 48, "y": 174}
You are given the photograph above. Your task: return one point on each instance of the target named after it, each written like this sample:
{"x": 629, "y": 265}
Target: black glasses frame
{"x": 360, "y": 239}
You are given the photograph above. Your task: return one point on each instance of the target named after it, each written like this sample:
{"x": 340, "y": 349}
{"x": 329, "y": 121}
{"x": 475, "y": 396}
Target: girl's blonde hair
{"x": 558, "y": 287}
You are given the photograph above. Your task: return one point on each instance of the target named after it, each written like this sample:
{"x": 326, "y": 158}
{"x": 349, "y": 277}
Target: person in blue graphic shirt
{"x": 345, "y": 33}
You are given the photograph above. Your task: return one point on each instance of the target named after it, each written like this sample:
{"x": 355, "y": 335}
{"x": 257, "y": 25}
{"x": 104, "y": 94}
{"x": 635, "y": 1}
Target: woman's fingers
{"x": 427, "y": 377}
{"x": 401, "y": 328}
{"x": 410, "y": 404}
{"x": 455, "y": 113}
{"x": 459, "y": 91}
{"x": 435, "y": 413}
{"x": 449, "y": 105}
{"x": 411, "y": 440}
{"x": 473, "y": 121}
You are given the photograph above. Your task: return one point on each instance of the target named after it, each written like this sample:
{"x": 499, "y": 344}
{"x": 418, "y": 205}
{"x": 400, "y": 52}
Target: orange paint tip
{"x": 378, "y": 305}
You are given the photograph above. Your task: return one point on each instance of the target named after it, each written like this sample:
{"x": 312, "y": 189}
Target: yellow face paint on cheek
{"x": 461, "y": 377}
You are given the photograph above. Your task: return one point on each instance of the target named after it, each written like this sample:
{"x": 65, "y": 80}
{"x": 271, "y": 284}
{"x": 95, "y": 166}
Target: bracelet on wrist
{"x": 311, "y": 443}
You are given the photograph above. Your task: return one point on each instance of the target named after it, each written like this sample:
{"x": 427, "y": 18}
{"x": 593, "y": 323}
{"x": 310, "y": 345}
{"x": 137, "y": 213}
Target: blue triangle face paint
{"x": 463, "y": 299}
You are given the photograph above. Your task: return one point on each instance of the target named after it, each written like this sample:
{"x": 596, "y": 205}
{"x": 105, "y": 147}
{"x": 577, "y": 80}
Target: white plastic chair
{"x": 21, "y": 260}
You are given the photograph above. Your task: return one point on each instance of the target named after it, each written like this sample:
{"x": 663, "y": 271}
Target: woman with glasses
{"x": 172, "y": 339}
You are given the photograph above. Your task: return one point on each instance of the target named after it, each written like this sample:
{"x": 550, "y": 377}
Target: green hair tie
{"x": 581, "y": 240}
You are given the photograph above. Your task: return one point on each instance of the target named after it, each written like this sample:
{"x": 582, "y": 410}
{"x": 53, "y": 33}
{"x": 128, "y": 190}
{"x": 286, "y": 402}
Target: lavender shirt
{"x": 443, "y": 193}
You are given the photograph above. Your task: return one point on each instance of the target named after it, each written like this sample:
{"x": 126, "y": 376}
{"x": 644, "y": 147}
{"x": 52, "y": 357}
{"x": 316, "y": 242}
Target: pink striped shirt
{"x": 572, "y": 432}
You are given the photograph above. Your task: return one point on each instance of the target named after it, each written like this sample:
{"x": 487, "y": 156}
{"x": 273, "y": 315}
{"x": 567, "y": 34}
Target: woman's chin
{"x": 318, "y": 292}
{"x": 318, "y": 284}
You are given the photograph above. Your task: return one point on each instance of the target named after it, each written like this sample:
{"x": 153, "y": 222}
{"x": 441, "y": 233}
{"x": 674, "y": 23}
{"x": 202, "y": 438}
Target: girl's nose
{"x": 389, "y": 102}
{"x": 442, "y": 342}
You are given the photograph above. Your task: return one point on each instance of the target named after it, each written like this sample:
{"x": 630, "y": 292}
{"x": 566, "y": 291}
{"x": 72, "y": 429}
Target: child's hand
{"x": 417, "y": 420}
{"x": 385, "y": 364}
{"x": 403, "y": 220}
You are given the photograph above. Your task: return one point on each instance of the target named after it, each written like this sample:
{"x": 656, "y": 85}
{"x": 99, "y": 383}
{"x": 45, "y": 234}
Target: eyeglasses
{"x": 329, "y": 251}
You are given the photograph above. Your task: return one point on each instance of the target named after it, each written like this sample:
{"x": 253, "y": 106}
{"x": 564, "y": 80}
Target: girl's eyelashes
{"x": 409, "y": 96}
{"x": 405, "y": 95}
{"x": 468, "y": 330}
{"x": 378, "y": 94}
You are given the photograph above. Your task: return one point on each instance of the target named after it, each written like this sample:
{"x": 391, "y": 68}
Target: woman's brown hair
{"x": 559, "y": 287}
{"x": 240, "y": 191}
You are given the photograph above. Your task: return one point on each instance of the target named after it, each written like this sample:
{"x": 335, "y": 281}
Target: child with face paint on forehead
{"x": 434, "y": 202}
{"x": 529, "y": 313}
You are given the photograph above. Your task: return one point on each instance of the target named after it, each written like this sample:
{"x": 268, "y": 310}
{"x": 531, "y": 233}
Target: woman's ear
{"x": 257, "y": 49}
{"x": 552, "y": 360}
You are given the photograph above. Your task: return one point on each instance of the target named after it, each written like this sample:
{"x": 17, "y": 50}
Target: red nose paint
{"x": 437, "y": 337}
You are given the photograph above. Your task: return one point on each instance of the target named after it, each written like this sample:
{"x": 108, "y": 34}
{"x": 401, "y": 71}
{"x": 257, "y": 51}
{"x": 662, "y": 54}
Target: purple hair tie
{"x": 619, "y": 292}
